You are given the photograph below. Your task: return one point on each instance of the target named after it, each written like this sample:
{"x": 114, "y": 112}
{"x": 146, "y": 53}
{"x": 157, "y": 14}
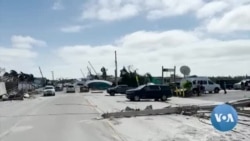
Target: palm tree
{"x": 149, "y": 77}
{"x": 14, "y": 75}
{"x": 6, "y": 76}
{"x": 104, "y": 73}
{"x": 32, "y": 79}
{"x": 21, "y": 78}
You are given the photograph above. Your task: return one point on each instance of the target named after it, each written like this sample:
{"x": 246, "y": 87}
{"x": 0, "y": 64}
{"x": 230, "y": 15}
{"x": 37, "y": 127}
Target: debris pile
{"x": 193, "y": 110}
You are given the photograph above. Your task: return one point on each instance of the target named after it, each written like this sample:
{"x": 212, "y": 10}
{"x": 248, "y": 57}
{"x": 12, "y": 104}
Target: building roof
{"x": 98, "y": 81}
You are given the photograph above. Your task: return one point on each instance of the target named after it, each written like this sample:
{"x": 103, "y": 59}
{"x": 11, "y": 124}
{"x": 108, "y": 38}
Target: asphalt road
{"x": 64, "y": 117}
{"x": 221, "y": 97}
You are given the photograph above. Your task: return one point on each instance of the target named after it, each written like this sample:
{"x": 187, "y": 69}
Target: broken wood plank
{"x": 165, "y": 111}
{"x": 140, "y": 113}
{"x": 189, "y": 110}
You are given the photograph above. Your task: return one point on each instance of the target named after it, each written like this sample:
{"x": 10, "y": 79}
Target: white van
{"x": 209, "y": 85}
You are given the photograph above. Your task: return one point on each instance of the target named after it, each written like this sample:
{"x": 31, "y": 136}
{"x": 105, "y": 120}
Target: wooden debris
{"x": 185, "y": 110}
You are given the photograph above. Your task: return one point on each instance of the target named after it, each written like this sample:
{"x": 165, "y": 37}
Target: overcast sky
{"x": 210, "y": 36}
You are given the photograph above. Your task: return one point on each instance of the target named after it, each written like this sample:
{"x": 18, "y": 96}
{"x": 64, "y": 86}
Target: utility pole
{"x": 52, "y": 72}
{"x": 162, "y": 75}
{"x": 174, "y": 74}
{"x": 116, "y": 81}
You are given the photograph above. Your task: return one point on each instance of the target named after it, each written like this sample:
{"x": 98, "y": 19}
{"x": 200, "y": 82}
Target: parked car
{"x": 49, "y": 90}
{"x": 58, "y": 88}
{"x": 118, "y": 89}
{"x": 237, "y": 86}
{"x": 208, "y": 85}
{"x": 155, "y": 92}
{"x": 247, "y": 85}
{"x": 84, "y": 89}
{"x": 70, "y": 89}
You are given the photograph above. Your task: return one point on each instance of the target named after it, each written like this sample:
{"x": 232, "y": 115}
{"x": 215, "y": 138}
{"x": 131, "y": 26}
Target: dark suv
{"x": 155, "y": 92}
{"x": 118, "y": 89}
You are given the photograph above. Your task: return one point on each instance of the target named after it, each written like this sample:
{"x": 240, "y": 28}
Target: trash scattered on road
{"x": 150, "y": 107}
{"x": 131, "y": 109}
{"x": 26, "y": 95}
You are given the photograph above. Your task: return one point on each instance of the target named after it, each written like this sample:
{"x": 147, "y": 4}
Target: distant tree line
{"x": 12, "y": 79}
{"x": 63, "y": 81}
{"x": 18, "y": 77}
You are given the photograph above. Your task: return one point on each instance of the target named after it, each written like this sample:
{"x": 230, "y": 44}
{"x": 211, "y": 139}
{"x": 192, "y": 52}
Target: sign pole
{"x": 162, "y": 77}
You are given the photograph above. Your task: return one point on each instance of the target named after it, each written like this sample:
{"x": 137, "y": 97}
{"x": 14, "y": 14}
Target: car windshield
{"x": 47, "y": 88}
{"x": 70, "y": 86}
{"x": 140, "y": 87}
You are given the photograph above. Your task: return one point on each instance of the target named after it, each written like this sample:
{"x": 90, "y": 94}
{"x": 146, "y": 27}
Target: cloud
{"x": 20, "y": 55}
{"x": 112, "y": 10}
{"x": 58, "y": 5}
{"x": 237, "y": 19}
{"x": 109, "y": 10}
{"x": 167, "y": 8}
{"x": 19, "y": 41}
{"x": 74, "y": 28}
{"x": 147, "y": 38}
{"x": 148, "y": 51}
{"x": 212, "y": 8}
{"x": 10, "y": 54}
{"x": 17, "y": 58}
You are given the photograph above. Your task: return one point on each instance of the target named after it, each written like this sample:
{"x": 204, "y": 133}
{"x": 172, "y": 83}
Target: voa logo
{"x": 224, "y": 117}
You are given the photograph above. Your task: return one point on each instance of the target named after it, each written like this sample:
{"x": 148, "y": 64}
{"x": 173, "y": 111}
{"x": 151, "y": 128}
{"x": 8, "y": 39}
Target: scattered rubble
{"x": 26, "y": 95}
{"x": 184, "y": 110}
{"x": 127, "y": 109}
{"x": 150, "y": 107}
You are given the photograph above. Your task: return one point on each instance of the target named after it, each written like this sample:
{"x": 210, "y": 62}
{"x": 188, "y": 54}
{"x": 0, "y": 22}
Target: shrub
{"x": 187, "y": 85}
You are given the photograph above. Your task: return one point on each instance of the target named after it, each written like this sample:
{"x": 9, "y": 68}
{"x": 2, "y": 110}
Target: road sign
{"x": 167, "y": 70}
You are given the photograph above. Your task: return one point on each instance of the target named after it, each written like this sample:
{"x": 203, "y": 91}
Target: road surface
{"x": 65, "y": 117}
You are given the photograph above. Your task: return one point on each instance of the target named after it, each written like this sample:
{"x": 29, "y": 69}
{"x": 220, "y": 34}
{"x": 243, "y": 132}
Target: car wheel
{"x": 137, "y": 98}
{"x": 194, "y": 91}
{"x": 216, "y": 90}
{"x": 156, "y": 99}
{"x": 131, "y": 99}
{"x": 164, "y": 98}
{"x": 112, "y": 94}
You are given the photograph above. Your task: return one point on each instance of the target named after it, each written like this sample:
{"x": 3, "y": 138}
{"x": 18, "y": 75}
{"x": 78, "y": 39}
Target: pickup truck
{"x": 118, "y": 89}
{"x": 155, "y": 92}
